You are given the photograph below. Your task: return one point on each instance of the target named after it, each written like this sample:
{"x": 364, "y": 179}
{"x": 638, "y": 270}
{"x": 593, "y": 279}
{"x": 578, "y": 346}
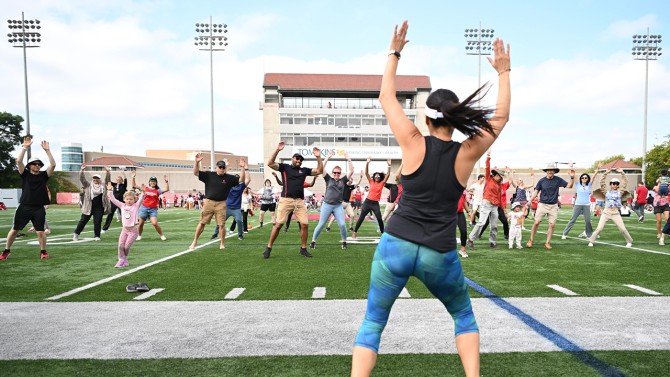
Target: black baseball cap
{"x": 221, "y": 164}
{"x": 298, "y": 155}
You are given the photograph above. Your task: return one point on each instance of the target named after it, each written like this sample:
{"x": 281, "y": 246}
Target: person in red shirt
{"x": 462, "y": 224}
{"x": 641, "y": 193}
{"x": 149, "y": 207}
{"x": 489, "y": 208}
{"x": 371, "y": 203}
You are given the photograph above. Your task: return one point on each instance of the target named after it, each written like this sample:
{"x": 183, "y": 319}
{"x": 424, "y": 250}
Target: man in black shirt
{"x": 217, "y": 187}
{"x": 34, "y": 196}
{"x": 292, "y": 195}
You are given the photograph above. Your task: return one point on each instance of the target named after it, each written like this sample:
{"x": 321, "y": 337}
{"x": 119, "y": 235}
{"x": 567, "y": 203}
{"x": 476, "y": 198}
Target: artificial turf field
{"x": 210, "y": 274}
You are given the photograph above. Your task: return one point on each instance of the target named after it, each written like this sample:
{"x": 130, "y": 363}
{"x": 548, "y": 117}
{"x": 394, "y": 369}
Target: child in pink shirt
{"x": 129, "y": 207}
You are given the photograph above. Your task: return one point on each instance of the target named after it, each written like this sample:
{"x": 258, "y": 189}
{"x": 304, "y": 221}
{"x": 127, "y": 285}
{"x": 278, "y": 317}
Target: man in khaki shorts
{"x": 292, "y": 195}
{"x": 548, "y": 188}
{"x": 217, "y": 187}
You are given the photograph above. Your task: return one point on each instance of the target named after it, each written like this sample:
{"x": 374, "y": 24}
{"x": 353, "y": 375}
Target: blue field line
{"x": 562, "y": 342}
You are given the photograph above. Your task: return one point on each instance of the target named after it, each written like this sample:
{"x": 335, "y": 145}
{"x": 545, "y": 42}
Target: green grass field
{"x": 209, "y": 274}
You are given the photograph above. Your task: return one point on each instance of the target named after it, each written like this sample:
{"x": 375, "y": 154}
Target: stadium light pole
{"x": 645, "y": 47}
{"x": 478, "y": 42}
{"x": 25, "y": 34}
{"x": 211, "y": 37}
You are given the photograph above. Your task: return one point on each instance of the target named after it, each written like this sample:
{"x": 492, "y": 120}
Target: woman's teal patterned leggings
{"x": 395, "y": 260}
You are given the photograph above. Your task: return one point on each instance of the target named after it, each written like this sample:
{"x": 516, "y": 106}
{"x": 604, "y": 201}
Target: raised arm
{"x": 360, "y": 178}
{"x": 367, "y": 171}
{"x": 388, "y": 172}
{"x": 350, "y": 166}
{"x": 325, "y": 161}
{"x": 244, "y": 175}
{"x": 319, "y": 163}
{"x": 196, "y": 164}
{"x": 132, "y": 175}
{"x": 603, "y": 180}
{"x": 52, "y": 162}
{"x": 271, "y": 161}
{"x": 313, "y": 181}
{"x": 108, "y": 175}
{"x": 279, "y": 182}
{"x": 82, "y": 177}
{"x": 572, "y": 178}
{"x": 27, "y": 142}
{"x": 167, "y": 183}
{"x": 406, "y": 133}
{"x": 624, "y": 180}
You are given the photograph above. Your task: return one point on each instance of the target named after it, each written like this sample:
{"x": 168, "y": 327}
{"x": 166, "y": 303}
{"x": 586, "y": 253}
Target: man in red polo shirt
{"x": 489, "y": 208}
{"x": 641, "y": 193}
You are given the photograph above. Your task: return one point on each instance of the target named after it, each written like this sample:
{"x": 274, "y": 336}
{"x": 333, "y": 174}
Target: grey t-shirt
{"x": 334, "y": 188}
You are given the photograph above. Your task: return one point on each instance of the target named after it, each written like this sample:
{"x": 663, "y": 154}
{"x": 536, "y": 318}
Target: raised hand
{"x": 198, "y": 157}
{"x": 398, "y": 41}
{"x": 501, "y": 58}
{"x": 281, "y": 145}
{"x": 27, "y": 141}
{"x": 316, "y": 151}
{"x": 45, "y": 145}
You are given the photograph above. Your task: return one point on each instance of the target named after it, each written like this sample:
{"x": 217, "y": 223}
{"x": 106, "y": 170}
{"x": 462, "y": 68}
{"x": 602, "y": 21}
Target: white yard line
{"x": 151, "y": 292}
{"x": 643, "y": 290}
{"x": 234, "y": 293}
{"x": 319, "y": 292}
{"x": 404, "y": 293}
{"x": 562, "y": 290}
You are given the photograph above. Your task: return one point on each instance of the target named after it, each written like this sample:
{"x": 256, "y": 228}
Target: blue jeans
{"x": 237, "y": 215}
{"x": 338, "y": 212}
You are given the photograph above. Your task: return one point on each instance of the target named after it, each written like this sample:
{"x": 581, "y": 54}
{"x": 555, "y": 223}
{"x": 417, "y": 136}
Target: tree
{"x": 58, "y": 182}
{"x": 10, "y": 137}
{"x": 657, "y": 159}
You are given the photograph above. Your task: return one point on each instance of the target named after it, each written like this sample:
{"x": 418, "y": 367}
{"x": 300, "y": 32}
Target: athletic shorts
{"x": 549, "y": 210}
{"x": 146, "y": 212}
{"x": 661, "y": 209}
{"x": 213, "y": 208}
{"x": 269, "y": 207}
{"x": 27, "y": 213}
{"x": 288, "y": 205}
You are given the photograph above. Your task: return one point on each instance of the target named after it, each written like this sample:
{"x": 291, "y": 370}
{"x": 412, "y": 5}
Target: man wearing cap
{"x": 34, "y": 196}
{"x": 293, "y": 195}
{"x": 217, "y": 188}
{"x": 489, "y": 207}
{"x": 548, "y": 187}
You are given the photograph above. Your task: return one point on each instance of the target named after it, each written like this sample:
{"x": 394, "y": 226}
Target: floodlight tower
{"x": 211, "y": 37}
{"x": 478, "y": 42}
{"x": 25, "y": 34}
{"x": 646, "y": 47}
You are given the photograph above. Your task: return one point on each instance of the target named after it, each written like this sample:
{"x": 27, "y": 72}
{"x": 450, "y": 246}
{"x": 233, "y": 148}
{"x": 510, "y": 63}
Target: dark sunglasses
{"x": 614, "y": 183}
{"x": 337, "y": 172}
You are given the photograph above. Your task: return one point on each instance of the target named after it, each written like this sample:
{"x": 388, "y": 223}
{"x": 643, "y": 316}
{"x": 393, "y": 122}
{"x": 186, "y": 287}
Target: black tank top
{"x": 426, "y": 212}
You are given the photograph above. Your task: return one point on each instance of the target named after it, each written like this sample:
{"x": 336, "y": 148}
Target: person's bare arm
{"x": 271, "y": 161}
{"x": 27, "y": 142}
{"x": 52, "y": 161}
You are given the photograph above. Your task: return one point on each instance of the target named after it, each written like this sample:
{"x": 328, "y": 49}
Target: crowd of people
{"x": 430, "y": 198}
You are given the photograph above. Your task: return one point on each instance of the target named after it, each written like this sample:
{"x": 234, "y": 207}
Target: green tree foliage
{"x": 58, "y": 182}
{"x": 607, "y": 160}
{"x": 657, "y": 159}
{"x": 10, "y": 137}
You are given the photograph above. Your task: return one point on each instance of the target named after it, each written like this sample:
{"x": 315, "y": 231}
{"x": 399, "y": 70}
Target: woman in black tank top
{"x": 420, "y": 237}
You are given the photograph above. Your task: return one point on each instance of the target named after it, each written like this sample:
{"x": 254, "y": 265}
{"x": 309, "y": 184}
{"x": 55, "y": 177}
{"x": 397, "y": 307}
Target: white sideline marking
{"x": 404, "y": 293}
{"x": 234, "y": 293}
{"x": 643, "y": 290}
{"x": 562, "y": 290}
{"x": 146, "y": 295}
{"x": 128, "y": 272}
{"x": 612, "y": 244}
{"x": 319, "y": 292}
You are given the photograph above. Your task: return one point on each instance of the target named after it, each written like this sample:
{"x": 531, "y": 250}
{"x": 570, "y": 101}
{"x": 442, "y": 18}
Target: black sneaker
{"x": 241, "y": 238}
{"x": 493, "y": 246}
{"x": 351, "y": 228}
{"x": 131, "y": 288}
{"x": 266, "y": 253}
{"x": 215, "y": 236}
{"x": 328, "y": 229}
{"x": 142, "y": 287}
{"x": 285, "y": 230}
{"x": 305, "y": 253}
{"x": 470, "y": 244}
{"x": 344, "y": 245}
{"x": 312, "y": 245}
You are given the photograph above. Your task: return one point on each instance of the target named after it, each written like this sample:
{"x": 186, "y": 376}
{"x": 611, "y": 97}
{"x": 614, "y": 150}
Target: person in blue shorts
{"x": 420, "y": 237}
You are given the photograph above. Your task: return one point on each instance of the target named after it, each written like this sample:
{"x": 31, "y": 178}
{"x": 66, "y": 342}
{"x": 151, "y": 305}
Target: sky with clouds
{"x": 125, "y": 74}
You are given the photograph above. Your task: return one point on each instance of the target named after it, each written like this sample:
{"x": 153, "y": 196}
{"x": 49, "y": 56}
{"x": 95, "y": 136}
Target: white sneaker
{"x": 163, "y": 238}
{"x": 463, "y": 253}
{"x": 47, "y": 231}
{"x": 661, "y": 242}
{"x": 75, "y": 237}
{"x": 590, "y": 244}
{"x": 629, "y": 245}
{"x": 96, "y": 239}
{"x": 519, "y": 246}
{"x": 230, "y": 232}
{"x": 139, "y": 238}
{"x": 582, "y": 235}
{"x": 564, "y": 237}
{"x": 103, "y": 231}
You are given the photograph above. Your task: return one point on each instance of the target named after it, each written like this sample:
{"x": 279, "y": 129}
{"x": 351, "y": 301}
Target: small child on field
{"x": 514, "y": 219}
{"x": 662, "y": 183}
{"x": 129, "y": 209}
